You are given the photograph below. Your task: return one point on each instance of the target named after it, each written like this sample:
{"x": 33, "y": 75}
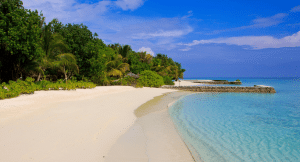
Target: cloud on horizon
{"x": 256, "y": 42}
{"x": 147, "y": 50}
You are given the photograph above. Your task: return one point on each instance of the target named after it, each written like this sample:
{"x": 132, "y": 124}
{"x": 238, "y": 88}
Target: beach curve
{"x": 79, "y": 125}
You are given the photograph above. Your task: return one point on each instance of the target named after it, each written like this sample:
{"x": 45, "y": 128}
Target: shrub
{"x": 128, "y": 80}
{"x": 125, "y": 81}
{"x": 14, "y": 89}
{"x": 168, "y": 80}
{"x": 150, "y": 79}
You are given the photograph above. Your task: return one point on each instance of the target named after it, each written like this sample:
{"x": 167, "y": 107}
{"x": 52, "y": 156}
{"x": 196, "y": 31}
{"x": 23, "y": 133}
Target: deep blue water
{"x": 242, "y": 126}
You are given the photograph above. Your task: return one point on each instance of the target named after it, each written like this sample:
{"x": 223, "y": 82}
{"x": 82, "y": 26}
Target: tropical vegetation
{"x": 14, "y": 89}
{"x": 150, "y": 79}
{"x": 55, "y": 55}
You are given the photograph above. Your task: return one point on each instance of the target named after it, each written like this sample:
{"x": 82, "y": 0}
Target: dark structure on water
{"x": 217, "y": 82}
{"x": 255, "y": 89}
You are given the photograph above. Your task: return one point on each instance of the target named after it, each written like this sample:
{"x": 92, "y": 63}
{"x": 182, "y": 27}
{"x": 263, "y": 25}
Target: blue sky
{"x": 209, "y": 38}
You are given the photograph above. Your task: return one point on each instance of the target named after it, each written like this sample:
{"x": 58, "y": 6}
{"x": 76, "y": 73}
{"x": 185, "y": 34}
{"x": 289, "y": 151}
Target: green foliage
{"x": 19, "y": 38}
{"x": 238, "y": 80}
{"x": 30, "y": 47}
{"x": 138, "y": 62}
{"x": 165, "y": 66}
{"x": 124, "y": 50}
{"x": 77, "y": 38}
{"x": 66, "y": 63}
{"x": 168, "y": 80}
{"x": 126, "y": 81}
{"x": 14, "y": 89}
{"x": 150, "y": 79}
{"x": 98, "y": 62}
{"x": 117, "y": 68}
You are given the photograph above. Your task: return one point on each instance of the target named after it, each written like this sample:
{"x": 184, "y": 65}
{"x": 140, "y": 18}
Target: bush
{"x": 14, "y": 89}
{"x": 127, "y": 81}
{"x": 150, "y": 79}
{"x": 168, "y": 80}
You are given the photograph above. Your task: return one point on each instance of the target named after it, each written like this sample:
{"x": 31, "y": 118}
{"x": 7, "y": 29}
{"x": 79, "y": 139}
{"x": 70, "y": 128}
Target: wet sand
{"x": 153, "y": 137}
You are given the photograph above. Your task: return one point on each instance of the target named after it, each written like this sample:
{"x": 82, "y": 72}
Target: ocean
{"x": 242, "y": 126}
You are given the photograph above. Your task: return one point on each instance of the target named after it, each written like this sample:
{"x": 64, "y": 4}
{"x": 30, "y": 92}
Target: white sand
{"x": 186, "y": 83}
{"x": 68, "y": 126}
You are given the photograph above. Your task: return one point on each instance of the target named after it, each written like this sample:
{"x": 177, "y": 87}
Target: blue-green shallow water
{"x": 242, "y": 126}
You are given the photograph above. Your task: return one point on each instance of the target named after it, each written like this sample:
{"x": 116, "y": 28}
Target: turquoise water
{"x": 242, "y": 126}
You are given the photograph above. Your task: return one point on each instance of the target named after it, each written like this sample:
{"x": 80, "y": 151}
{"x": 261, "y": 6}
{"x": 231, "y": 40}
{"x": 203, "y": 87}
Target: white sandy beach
{"x": 187, "y": 83}
{"x": 70, "y": 126}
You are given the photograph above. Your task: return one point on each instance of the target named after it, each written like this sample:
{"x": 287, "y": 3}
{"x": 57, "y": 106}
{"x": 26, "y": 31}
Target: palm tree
{"x": 34, "y": 67}
{"x": 116, "y": 67}
{"x": 66, "y": 63}
{"x": 105, "y": 79}
{"x": 124, "y": 52}
{"x": 52, "y": 45}
{"x": 171, "y": 70}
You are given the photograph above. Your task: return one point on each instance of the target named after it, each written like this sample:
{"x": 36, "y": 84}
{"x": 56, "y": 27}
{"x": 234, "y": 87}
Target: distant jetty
{"x": 237, "y": 82}
{"x": 255, "y": 89}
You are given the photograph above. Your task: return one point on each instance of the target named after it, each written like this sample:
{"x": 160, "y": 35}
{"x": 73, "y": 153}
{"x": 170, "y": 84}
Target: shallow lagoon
{"x": 242, "y": 126}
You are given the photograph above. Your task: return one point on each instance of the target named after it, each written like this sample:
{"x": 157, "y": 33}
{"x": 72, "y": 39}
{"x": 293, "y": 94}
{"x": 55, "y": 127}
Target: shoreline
{"x": 152, "y": 134}
{"x": 80, "y": 125}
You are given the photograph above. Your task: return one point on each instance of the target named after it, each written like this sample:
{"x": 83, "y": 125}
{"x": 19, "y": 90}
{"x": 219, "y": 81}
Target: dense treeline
{"x": 32, "y": 48}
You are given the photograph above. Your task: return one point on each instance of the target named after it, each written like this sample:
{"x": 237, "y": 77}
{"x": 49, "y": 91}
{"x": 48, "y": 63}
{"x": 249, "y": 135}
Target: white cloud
{"x": 138, "y": 32}
{"x": 167, "y": 32}
{"x": 147, "y": 50}
{"x": 256, "y": 42}
{"x": 162, "y": 33}
{"x": 190, "y": 14}
{"x": 113, "y": 26}
{"x": 186, "y": 49}
{"x": 296, "y": 9}
{"x": 129, "y": 4}
{"x": 268, "y": 21}
{"x": 257, "y": 23}
{"x": 68, "y": 11}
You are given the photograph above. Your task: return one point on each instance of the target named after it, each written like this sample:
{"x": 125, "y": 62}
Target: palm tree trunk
{"x": 65, "y": 75}
{"x": 39, "y": 77}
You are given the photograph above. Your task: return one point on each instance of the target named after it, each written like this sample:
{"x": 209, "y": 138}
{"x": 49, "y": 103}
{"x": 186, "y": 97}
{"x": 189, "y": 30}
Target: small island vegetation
{"x": 150, "y": 79}
{"x": 54, "y": 56}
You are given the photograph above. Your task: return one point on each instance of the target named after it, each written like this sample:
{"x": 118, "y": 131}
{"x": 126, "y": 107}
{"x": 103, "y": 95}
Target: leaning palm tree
{"x": 66, "y": 63}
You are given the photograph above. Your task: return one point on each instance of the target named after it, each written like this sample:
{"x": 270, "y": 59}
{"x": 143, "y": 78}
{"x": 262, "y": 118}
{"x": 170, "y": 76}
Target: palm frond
{"x": 57, "y": 43}
{"x": 115, "y": 72}
{"x": 66, "y": 57}
{"x": 66, "y": 60}
{"x": 124, "y": 67}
